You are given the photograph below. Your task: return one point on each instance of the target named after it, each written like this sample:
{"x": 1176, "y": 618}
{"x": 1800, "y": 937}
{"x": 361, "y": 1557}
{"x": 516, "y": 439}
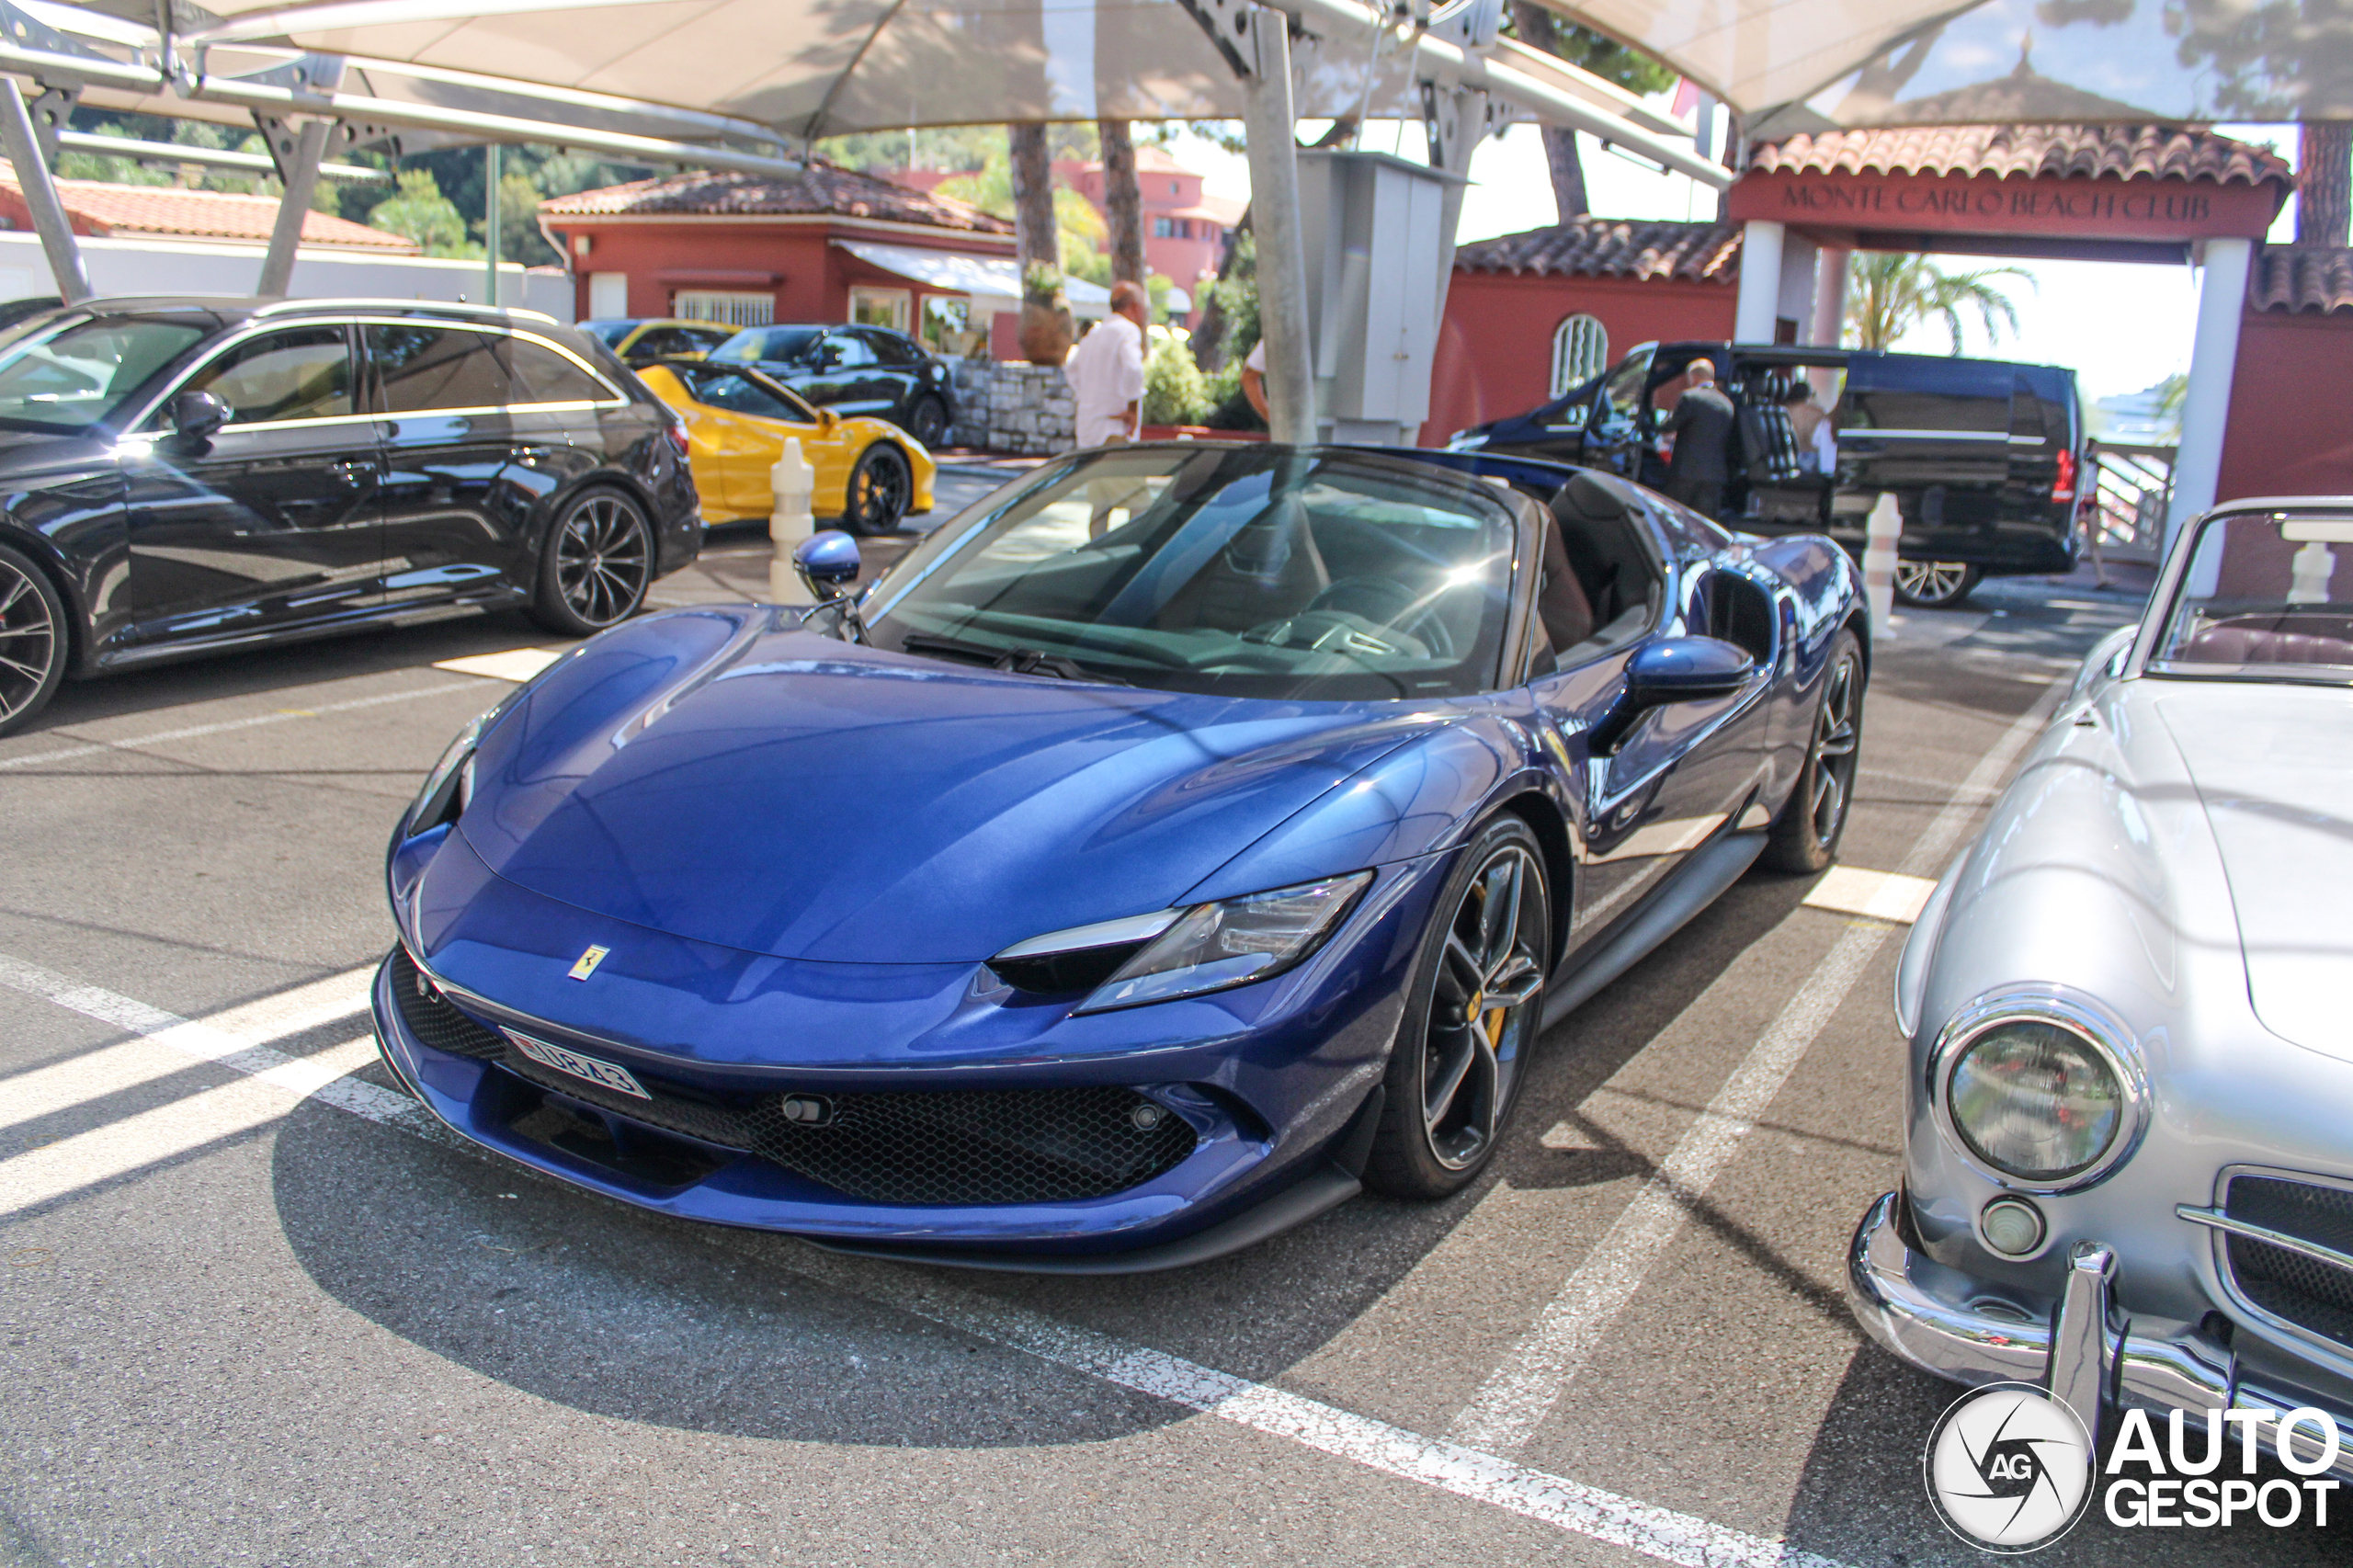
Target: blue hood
{"x": 722, "y": 776}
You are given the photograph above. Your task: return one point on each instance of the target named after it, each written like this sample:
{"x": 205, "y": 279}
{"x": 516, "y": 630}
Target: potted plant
{"x": 1047, "y": 330}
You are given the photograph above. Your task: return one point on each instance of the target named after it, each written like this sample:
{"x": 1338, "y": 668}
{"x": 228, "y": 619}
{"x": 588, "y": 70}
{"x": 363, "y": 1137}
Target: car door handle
{"x": 351, "y": 471}
{"x": 531, "y": 454}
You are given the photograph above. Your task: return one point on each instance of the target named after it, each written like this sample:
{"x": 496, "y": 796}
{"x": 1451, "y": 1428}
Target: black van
{"x": 1981, "y": 455}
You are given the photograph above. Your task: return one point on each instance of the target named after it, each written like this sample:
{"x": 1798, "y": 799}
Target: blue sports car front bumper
{"x": 947, "y": 1117}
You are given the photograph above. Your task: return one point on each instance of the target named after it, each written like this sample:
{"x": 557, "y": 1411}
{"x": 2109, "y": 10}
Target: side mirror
{"x": 827, "y": 419}
{"x": 197, "y": 414}
{"x": 1674, "y": 669}
{"x": 827, "y": 562}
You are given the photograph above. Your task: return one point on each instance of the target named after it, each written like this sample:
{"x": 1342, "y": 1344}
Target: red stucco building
{"x": 2289, "y": 432}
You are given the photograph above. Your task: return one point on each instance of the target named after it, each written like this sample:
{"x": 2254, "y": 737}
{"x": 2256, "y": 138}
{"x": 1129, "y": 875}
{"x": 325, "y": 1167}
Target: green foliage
{"x": 1155, "y": 288}
{"x": 1078, "y": 225}
{"x": 1889, "y": 293}
{"x": 1235, "y": 302}
{"x": 1609, "y": 59}
{"x": 1175, "y": 390}
{"x": 419, "y": 211}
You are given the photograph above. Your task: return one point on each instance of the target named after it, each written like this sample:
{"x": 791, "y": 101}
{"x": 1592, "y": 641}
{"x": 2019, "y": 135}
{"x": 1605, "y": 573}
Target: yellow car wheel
{"x": 880, "y": 488}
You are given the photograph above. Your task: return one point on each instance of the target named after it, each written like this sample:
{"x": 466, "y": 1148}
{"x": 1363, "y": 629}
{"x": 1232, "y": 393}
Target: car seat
{"x": 1599, "y": 539}
{"x": 1271, "y": 569}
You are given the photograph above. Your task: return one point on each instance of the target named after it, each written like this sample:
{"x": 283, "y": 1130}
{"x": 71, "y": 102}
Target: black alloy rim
{"x": 930, "y": 422}
{"x": 1483, "y": 1010}
{"x": 1836, "y": 730}
{"x": 879, "y": 489}
{"x": 603, "y": 559}
{"x": 1930, "y": 581}
{"x": 28, "y": 641}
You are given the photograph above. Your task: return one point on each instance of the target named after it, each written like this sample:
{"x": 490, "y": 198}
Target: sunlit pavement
{"x": 254, "y": 1310}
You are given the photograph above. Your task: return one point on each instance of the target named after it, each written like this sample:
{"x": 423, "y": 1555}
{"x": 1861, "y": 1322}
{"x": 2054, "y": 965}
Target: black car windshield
{"x": 2267, "y": 595}
{"x": 783, "y": 344}
{"x": 1266, "y": 571}
{"x": 67, "y": 380}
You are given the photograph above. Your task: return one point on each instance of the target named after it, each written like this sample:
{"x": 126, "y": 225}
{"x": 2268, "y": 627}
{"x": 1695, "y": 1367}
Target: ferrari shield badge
{"x": 586, "y": 963}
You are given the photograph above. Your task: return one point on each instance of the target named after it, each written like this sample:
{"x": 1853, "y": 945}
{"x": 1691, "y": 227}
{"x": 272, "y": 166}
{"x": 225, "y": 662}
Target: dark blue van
{"x": 1982, "y": 455}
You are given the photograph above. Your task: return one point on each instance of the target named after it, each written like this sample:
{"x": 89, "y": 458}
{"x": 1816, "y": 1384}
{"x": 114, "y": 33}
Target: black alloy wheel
{"x": 1934, "y": 584}
{"x": 33, "y": 642}
{"x": 1805, "y": 836}
{"x": 927, "y": 422}
{"x": 596, "y": 566}
{"x": 880, "y": 489}
{"x": 1470, "y": 1020}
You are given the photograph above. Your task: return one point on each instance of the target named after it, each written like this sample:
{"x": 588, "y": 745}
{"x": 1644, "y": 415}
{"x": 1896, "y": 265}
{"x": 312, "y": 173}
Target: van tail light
{"x": 2064, "y": 489}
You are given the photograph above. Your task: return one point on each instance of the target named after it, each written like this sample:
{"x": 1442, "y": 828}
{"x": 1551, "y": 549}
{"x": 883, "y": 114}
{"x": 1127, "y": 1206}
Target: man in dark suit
{"x": 1701, "y": 426}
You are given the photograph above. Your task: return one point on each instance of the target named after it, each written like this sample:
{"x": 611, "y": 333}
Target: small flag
{"x": 1687, "y": 97}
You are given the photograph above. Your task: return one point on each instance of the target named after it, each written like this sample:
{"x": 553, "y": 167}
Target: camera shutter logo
{"x": 2009, "y": 1468}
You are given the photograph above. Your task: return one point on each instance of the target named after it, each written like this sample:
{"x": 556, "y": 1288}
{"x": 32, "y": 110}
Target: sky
{"x": 2120, "y": 326}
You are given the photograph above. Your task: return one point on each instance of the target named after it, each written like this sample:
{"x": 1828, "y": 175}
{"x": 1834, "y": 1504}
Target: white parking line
{"x": 281, "y": 716}
{"x": 277, "y": 1082}
{"x": 1881, "y": 895}
{"x": 1518, "y": 1394}
{"x": 517, "y": 665}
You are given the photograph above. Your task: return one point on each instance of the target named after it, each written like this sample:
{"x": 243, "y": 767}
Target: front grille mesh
{"x": 916, "y": 1146}
{"x": 2303, "y": 1291}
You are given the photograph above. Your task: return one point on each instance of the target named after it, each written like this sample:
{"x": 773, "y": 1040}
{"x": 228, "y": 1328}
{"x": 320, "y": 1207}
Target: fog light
{"x": 2012, "y": 1226}
{"x": 1147, "y": 1117}
{"x": 807, "y": 1110}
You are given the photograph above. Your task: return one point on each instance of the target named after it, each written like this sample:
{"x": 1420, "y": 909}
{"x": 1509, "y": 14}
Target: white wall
{"x": 165, "y": 266}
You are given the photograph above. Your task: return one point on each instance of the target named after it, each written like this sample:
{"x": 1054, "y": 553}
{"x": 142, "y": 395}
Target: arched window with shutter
{"x": 1580, "y": 352}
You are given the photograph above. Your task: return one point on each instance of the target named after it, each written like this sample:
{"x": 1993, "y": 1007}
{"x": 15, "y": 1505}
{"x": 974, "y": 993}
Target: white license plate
{"x": 605, "y": 1074}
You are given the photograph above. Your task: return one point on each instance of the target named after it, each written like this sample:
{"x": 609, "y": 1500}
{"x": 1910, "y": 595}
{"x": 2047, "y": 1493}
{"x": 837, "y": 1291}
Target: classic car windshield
{"x": 779, "y": 345}
{"x": 2266, "y": 596}
{"x": 1259, "y": 572}
{"x": 68, "y": 380}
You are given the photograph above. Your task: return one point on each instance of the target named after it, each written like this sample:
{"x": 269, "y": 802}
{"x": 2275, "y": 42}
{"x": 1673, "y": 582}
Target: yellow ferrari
{"x": 871, "y": 473}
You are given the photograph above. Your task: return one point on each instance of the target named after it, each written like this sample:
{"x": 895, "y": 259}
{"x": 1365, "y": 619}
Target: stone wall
{"x": 1013, "y": 408}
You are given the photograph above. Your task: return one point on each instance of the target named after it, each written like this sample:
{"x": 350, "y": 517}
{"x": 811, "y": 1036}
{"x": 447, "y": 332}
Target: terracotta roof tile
{"x": 819, "y": 189}
{"x": 2117, "y": 151}
{"x": 109, "y": 208}
{"x": 2301, "y": 278}
{"x": 1612, "y": 247}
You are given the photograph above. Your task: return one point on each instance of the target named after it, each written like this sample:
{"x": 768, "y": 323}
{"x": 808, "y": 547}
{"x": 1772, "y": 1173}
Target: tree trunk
{"x": 1035, "y": 239}
{"x": 2324, "y": 184}
{"x": 1123, "y": 202}
{"x": 1534, "y": 23}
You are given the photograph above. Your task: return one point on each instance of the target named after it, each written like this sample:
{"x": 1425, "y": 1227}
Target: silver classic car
{"x": 2129, "y": 1145}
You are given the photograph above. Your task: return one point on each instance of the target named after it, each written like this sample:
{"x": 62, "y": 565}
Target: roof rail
{"x": 450, "y": 307}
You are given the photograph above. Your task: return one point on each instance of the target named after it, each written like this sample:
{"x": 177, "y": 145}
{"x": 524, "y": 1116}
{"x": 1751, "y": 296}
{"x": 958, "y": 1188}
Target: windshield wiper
{"x": 1014, "y": 661}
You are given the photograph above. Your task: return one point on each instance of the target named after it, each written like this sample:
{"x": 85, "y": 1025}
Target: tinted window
{"x": 423, "y": 367}
{"x": 846, "y": 351}
{"x": 706, "y": 337}
{"x": 740, "y": 393}
{"x": 1908, "y": 392}
{"x": 69, "y": 379}
{"x": 782, "y": 344}
{"x": 663, "y": 340}
{"x": 305, "y": 373}
{"x": 892, "y": 350}
{"x": 1627, "y": 381}
{"x": 541, "y": 375}
{"x": 611, "y": 332}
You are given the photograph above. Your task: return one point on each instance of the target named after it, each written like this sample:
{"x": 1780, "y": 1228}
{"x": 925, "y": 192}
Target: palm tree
{"x": 1888, "y": 294}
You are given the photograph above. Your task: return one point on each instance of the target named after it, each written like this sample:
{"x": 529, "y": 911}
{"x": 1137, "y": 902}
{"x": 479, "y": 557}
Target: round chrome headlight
{"x": 2038, "y": 1091}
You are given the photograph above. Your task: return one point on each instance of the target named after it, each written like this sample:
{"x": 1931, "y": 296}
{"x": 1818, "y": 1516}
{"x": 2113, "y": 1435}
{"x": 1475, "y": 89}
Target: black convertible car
{"x": 182, "y": 475}
{"x": 868, "y": 370}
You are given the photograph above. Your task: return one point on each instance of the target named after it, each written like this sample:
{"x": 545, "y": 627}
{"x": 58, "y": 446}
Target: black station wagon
{"x": 190, "y": 475}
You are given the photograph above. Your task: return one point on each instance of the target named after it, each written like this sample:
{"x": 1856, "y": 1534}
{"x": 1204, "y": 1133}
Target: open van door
{"x": 1616, "y": 433}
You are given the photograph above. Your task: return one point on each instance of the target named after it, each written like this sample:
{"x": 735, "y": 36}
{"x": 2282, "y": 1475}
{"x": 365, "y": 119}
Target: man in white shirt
{"x": 1105, "y": 371}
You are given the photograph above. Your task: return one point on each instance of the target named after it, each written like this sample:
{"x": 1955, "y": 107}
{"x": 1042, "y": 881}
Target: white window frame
{"x": 1580, "y": 351}
{"x": 724, "y": 306}
{"x": 898, "y": 303}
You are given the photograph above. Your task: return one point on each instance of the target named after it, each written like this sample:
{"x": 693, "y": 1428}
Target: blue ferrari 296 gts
{"x": 1174, "y": 843}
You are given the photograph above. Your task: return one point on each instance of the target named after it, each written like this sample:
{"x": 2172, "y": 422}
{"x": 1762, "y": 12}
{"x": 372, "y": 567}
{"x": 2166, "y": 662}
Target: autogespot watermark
{"x": 2011, "y": 1470}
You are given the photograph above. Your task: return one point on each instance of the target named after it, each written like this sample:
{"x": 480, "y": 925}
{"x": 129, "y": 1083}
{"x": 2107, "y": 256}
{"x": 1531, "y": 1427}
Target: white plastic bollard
{"x": 1881, "y": 531}
{"x": 792, "y": 481}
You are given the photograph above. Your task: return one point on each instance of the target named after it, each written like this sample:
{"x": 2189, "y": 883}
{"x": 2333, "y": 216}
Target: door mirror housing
{"x": 1670, "y": 670}
{"x": 195, "y": 415}
{"x": 827, "y": 562}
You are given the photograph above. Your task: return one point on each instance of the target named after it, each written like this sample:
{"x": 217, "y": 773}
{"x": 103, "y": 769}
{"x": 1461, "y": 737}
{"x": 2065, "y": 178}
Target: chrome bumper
{"x": 2086, "y": 1354}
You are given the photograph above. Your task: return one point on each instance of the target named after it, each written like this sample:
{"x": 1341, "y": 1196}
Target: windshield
{"x": 610, "y": 333}
{"x": 785, "y": 344}
{"x": 68, "y": 380}
{"x": 1266, "y": 572}
{"x": 2266, "y": 596}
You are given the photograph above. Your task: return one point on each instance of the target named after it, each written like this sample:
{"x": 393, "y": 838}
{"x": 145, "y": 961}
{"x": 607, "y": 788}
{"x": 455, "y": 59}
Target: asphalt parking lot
{"x": 254, "y": 1309}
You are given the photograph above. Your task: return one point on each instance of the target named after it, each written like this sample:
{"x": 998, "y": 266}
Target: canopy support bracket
{"x": 20, "y": 138}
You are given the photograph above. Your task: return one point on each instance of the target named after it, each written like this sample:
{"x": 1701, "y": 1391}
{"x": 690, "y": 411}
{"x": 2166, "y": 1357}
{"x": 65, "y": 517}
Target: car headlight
{"x": 1188, "y": 952}
{"x": 2040, "y": 1092}
{"x": 450, "y": 784}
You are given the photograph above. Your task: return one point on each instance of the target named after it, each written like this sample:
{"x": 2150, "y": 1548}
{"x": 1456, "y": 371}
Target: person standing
{"x": 1701, "y": 427}
{"x": 1105, "y": 371}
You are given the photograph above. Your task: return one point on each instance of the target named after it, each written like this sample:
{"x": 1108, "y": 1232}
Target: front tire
{"x": 1934, "y": 584}
{"x": 880, "y": 489}
{"x": 927, "y": 422}
{"x": 595, "y": 565}
{"x": 1804, "y": 837}
{"x": 1471, "y": 1016}
{"x": 33, "y": 642}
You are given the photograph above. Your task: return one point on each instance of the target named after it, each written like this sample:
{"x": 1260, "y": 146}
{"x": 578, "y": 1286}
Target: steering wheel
{"x": 1395, "y": 605}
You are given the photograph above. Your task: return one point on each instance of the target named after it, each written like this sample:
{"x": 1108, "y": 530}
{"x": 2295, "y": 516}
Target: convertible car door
{"x": 274, "y": 521}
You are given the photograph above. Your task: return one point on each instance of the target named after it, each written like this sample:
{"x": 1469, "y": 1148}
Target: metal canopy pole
{"x": 490, "y": 223}
{"x": 1274, "y": 218}
{"x": 56, "y": 231}
{"x": 298, "y": 155}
